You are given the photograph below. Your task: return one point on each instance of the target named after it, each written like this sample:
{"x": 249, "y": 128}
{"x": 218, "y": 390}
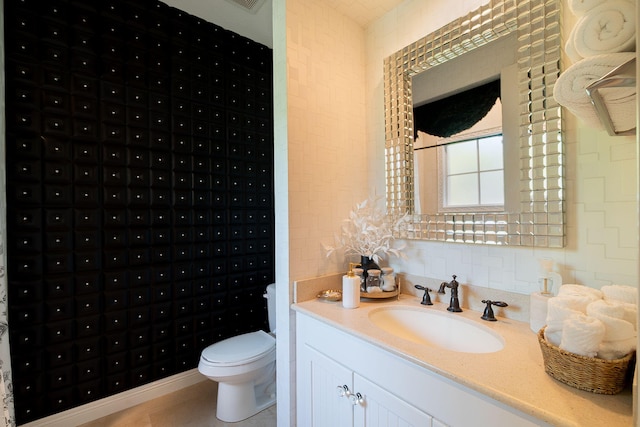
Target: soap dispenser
{"x": 548, "y": 281}
{"x": 350, "y": 289}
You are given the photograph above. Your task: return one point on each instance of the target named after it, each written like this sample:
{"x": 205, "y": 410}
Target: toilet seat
{"x": 239, "y": 350}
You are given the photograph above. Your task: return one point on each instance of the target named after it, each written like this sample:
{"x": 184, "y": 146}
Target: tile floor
{"x": 194, "y": 406}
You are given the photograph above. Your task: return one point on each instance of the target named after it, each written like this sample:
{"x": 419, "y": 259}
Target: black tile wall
{"x": 140, "y": 194}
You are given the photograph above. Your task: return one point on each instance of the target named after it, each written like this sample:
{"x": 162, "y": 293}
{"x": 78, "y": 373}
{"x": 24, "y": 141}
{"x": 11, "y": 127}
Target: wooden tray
{"x": 379, "y": 295}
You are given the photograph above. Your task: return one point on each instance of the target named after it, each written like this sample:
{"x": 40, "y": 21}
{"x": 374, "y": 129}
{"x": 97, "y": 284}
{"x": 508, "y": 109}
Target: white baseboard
{"x": 118, "y": 402}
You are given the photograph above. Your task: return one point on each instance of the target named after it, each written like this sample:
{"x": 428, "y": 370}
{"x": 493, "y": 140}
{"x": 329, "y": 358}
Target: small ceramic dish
{"x": 330, "y": 295}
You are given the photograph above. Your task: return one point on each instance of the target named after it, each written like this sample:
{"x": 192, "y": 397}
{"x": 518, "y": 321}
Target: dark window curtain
{"x": 456, "y": 113}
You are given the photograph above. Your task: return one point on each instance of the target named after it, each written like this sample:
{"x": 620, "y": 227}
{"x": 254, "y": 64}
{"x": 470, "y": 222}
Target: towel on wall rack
{"x": 580, "y": 7}
{"x": 570, "y": 91}
{"x": 607, "y": 28}
{"x": 571, "y": 51}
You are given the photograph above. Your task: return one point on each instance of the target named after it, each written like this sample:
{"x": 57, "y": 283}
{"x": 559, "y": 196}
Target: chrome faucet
{"x": 454, "y": 304}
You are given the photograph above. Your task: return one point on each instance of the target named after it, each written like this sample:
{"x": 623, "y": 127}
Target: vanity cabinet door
{"x": 380, "y": 408}
{"x": 322, "y": 401}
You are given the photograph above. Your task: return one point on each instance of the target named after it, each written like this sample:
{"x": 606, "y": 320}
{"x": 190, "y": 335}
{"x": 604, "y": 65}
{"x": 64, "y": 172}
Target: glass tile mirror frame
{"x": 540, "y": 221}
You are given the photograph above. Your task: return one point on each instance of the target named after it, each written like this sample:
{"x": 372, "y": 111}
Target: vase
{"x": 367, "y": 263}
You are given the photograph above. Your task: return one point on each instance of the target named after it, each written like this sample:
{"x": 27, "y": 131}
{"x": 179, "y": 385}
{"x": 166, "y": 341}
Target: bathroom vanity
{"x": 351, "y": 372}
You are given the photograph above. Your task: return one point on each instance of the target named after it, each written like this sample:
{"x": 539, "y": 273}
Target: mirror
{"x": 534, "y": 214}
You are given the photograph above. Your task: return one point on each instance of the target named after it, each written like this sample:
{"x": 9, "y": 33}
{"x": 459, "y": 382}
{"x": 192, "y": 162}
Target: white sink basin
{"x": 444, "y": 330}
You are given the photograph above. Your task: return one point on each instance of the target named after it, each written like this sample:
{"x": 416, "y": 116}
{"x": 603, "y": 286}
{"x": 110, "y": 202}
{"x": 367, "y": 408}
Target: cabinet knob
{"x": 343, "y": 391}
{"x": 356, "y": 399}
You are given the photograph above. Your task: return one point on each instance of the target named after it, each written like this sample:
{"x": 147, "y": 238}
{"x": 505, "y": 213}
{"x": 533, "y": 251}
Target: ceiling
{"x": 229, "y": 15}
{"x": 363, "y": 11}
{"x": 258, "y": 26}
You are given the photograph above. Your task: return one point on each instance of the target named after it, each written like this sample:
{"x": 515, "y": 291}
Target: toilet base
{"x": 237, "y": 402}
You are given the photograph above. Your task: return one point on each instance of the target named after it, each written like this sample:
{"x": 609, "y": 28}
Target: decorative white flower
{"x": 369, "y": 231}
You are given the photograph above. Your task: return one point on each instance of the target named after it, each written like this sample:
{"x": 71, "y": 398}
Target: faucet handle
{"x": 488, "y": 311}
{"x": 426, "y": 299}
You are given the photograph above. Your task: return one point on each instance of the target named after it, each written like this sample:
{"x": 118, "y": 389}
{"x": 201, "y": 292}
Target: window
{"x": 473, "y": 175}
{"x": 468, "y": 168}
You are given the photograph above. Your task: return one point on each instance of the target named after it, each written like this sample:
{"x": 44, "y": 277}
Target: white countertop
{"x": 514, "y": 375}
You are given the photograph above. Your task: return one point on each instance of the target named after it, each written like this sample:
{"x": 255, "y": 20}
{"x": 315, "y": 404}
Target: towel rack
{"x": 622, "y": 76}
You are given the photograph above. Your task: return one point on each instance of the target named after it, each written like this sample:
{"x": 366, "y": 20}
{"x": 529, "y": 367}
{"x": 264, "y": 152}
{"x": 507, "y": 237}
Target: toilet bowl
{"x": 244, "y": 367}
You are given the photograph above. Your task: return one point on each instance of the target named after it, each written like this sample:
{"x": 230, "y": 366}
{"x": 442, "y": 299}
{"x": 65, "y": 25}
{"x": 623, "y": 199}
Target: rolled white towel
{"x": 558, "y": 310}
{"x": 609, "y": 27}
{"x": 580, "y": 7}
{"x": 613, "y": 309}
{"x": 616, "y": 349}
{"x": 582, "y": 335}
{"x": 581, "y": 296}
{"x": 570, "y": 49}
{"x": 561, "y": 307}
{"x": 617, "y": 329}
{"x": 631, "y": 314}
{"x": 570, "y": 91}
{"x": 574, "y": 289}
{"x": 623, "y": 293}
{"x": 554, "y": 337}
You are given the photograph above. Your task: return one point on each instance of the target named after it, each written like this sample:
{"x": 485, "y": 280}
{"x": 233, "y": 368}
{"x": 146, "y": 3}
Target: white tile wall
{"x": 327, "y": 145}
{"x": 325, "y": 151}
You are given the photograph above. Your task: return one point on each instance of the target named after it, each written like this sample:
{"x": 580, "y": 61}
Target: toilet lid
{"x": 240, "y": 349}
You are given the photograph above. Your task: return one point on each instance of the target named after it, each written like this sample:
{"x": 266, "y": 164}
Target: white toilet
{"x": 245, "y": 368}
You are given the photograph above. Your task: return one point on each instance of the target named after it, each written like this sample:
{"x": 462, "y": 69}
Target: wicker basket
{"x": 585, "y": 373}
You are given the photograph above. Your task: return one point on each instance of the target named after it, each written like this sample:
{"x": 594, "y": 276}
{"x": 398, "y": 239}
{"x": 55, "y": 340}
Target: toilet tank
{"x": 270, "y": 295}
